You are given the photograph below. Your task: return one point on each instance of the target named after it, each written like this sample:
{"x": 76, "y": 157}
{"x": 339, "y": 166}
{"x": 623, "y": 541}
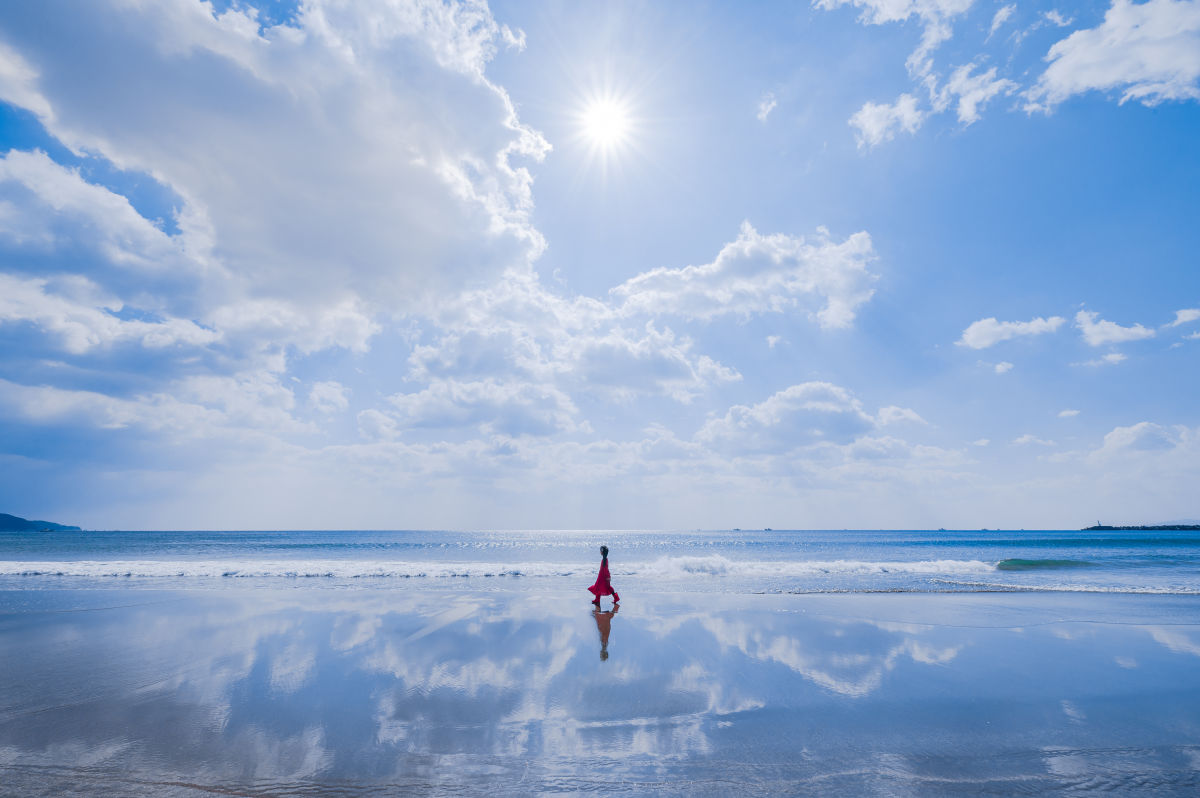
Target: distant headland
{"x": 1144, "y": 527}
{"x": 12, "y": 523}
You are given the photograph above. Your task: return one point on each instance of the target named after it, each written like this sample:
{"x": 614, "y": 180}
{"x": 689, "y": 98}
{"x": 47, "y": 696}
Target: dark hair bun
{"x": 604, "y": 551}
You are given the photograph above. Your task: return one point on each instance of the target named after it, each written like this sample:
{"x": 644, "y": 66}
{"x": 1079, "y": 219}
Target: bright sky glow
{"x": 443, "y": 264}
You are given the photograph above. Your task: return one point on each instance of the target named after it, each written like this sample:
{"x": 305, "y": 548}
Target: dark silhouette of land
{"x": 12, "y": 523}
{"x": 1147, "y": 528}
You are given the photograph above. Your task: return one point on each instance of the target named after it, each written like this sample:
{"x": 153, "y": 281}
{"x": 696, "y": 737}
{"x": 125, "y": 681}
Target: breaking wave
{"x": 668, "y": 568}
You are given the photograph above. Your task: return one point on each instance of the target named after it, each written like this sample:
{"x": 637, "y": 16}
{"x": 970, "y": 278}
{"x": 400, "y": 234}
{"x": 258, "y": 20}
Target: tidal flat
{"x": 265, "y": 692}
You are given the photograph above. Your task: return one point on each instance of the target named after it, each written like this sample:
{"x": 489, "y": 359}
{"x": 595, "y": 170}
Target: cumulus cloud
{"x": 893, "y": 414}
{"x": 289, "y": 234}
{"x": 1144, "y": 436}
{"x": 1003, "y": 367}
{"x": 376, "y": 426}
{"x": 988, "y": 332}
{"x": 1149, "y": 52}
{"x": 228, "y": 116}
{"x": 807, "y": 413}
{"x": 1068, "y": 413}
{"x": 876, "y": 123}
{"x": 1099, "y": 333}
{"x": 518, "y": 329}
{"x": 510, "y": 408}
{"x": 195, "y": 408}
{"x": 18, "y": 84}
{"x": 762, "y": 274}
{"x": 655, "y": 361}
{"x": 1030, "y": 438}
{"x": 81, "y": 317}
{"x": 328, "y": 397}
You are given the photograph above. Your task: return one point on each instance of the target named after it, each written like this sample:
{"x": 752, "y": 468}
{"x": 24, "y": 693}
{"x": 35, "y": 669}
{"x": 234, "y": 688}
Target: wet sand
{"x": 363, "y": 692}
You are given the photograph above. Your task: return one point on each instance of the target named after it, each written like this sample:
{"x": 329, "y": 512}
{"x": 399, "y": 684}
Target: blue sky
{"x": 859, "y": 263}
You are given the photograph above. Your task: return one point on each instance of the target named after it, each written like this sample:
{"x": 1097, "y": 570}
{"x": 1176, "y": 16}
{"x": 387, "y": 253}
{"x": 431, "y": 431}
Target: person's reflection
{"x": 604, "y": 626}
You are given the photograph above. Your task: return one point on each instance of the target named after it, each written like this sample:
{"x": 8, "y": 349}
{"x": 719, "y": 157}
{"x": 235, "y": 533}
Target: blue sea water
{"x": 724, "y": 561}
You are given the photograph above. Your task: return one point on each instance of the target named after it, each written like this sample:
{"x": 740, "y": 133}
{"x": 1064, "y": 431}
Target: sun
{"x": 608, "y": 130}
{"x": 605, "y": 123}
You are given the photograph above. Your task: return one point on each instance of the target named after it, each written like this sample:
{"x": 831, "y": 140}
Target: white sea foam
{"x": 1158, "y": 590}
{"x": 336, "y": 569}
{"x": 716, "y": 565}
{"x": 665, "y": 568}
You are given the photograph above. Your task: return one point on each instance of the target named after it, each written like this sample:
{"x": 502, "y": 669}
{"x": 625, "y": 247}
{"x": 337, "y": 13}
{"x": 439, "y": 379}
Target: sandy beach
{"x": 336, "y": 692}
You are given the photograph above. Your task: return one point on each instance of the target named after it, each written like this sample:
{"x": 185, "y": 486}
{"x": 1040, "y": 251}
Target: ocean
{"x": 725, "y": 561}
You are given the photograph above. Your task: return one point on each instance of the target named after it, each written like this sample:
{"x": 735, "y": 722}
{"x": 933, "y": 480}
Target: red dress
{"x": 603, "y": 586}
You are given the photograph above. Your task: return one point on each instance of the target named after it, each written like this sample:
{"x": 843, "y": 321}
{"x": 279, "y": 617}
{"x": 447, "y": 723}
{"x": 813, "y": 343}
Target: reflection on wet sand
{"x": 276, "y": 691}
{"x": 604, "y": 626}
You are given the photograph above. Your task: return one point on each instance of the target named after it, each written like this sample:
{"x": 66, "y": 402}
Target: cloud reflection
{"x": 279, "y": 689}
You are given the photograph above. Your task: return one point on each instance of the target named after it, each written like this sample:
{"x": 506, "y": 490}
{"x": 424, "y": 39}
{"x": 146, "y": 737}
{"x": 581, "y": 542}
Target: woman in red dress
{"x": 603, "y": 586}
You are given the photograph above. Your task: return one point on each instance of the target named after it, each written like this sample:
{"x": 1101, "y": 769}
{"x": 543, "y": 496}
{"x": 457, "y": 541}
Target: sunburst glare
{"x": 606, "y": 123}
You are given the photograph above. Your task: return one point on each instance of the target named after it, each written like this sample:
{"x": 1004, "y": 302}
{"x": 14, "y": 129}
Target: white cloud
{"x": 49, "y": 209}
{"x": 1185, "y": 316}
{"x": 803, "y": 414}
{"x": 1149, "y": 51}
{"x": 893, "y": 414}
{"x": 879, "y": 12}
{"x": 981, "y": 442}
{"x": 231, "y": 119}
{"x": 376, "y": 426}
{"x": 247, "y": 406}
{"x": 1003, "y": 367}
{"x": 1145, "y": 436}
{"x": 18, "y": 83}
{"x": 973, "y": 92}
{"x": 1055, "y": 18}
{"x": 76, "y": 313}
{"x": 876, "y": 123}
{"x": 1001, "y": 16}
{"x": 1068, "y": 413}
{"x": 772, "y": 340}
{"x": 655, "y": 361}
{"x": 1111, "y": 359}
{"x": 765, "y": 106}
{"x": 936, "y": 15}
{"x": 1029, "y": 438}
{"x": 762, "y": 274}
{"x": 517, "y": 328}
{"x": 987, "y": 332}
{"x": 509, "y": 408}
{"x": 328, "y": 397}
{"x": 1099, "y": 333}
